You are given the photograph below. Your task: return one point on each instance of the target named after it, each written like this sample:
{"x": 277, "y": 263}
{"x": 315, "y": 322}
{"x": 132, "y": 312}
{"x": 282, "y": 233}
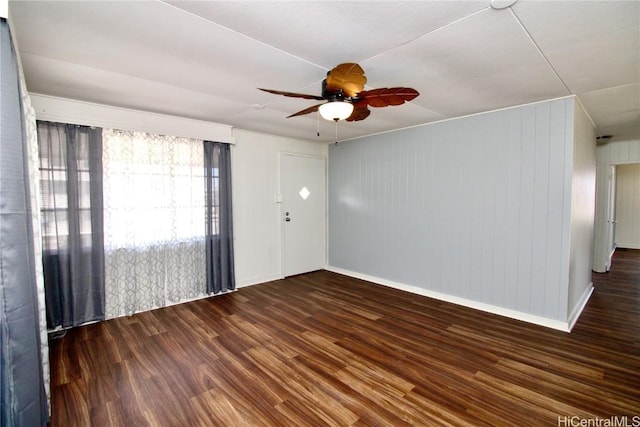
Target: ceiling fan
{"x": 346, "y": 99}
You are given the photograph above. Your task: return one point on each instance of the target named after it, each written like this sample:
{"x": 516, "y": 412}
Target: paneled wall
{"x": 475, "y": 210}
{"x": 256, "y": 215}
{"x": 583, "y": 196}
{"x": 628, "y": 206}
{"x": 619, "y": 152}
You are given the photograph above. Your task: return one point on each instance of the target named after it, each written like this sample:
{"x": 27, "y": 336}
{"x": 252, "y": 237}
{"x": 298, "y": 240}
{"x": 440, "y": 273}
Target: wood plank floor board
{"x": 325, "y": 349}
{"x": 351, "y": 400}
{"x": 254, "y": 402}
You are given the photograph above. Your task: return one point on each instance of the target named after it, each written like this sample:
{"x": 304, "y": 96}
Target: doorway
{"x": 627, "y": 206}
{"x": 609, "y": 231}
{"x": 303, "y": 213}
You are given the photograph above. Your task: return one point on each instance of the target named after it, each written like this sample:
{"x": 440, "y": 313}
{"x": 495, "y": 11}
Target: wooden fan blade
{"x": 359, "y": 113}
{"x": 306, "y": 111}
{"x": 385, "y": 97}
{"x": 349, "y": 77}
{"x": 292, "y": 94}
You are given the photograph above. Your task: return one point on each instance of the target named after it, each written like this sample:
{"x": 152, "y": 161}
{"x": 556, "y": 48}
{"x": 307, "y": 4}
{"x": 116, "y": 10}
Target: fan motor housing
{"x": 331, "y": 96}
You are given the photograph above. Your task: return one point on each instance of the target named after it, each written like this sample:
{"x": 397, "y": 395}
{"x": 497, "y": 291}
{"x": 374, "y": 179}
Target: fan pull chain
{"x": 318, "y": 119}
{"x": 336, "y": 120}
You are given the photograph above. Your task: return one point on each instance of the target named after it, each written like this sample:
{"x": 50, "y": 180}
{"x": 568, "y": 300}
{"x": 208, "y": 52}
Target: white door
{"x": 303, "y": 189}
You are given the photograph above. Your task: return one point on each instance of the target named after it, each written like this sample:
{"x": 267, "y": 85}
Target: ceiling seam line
{"x": 539, "y": 50}
{"x": 242, "y": 34}
{"x": 584, "y": 110}
{"x": 610, "y": 88}
{"x": 425, "y": 34}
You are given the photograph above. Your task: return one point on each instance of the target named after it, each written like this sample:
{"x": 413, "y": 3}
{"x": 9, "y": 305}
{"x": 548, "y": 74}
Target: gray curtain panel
{"x": 22, "y": 393}
{"x": 219, "y": 217}
{"x": 72, "y": 223}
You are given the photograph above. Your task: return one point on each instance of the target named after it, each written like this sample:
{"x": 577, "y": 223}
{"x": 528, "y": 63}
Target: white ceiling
{"x": 204, "y": 60}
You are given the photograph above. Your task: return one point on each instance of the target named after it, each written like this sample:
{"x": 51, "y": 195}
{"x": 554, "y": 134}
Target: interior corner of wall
{"x": 576, "y": 311}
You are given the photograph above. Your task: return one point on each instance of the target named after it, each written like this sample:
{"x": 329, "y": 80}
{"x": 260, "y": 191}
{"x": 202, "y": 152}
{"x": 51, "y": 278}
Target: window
{"x": 65, "y": 182}
{"x": 154, "y": 189}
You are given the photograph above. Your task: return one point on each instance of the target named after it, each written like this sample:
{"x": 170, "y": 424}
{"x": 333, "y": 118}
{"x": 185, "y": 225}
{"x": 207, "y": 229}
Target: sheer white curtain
{"x": 154, "y": 221}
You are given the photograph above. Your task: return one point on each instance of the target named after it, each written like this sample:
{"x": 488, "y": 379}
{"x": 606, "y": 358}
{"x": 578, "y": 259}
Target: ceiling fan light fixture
{"x": 336, "y": 110}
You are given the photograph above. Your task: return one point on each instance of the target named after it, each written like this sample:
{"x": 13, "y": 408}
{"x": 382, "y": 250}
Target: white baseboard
{"x": 624, "y": 245}
{"x": 501, "y": 311}
{"x": 256, "y": 281}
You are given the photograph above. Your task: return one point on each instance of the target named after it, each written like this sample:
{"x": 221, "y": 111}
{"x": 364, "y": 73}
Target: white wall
{"x": 583, "y": 194}
{"x": 257, "y": 217}
{"x": 613, "y": 153}
{"x": 628, "y": 206}
{"x": 474, "y": 210}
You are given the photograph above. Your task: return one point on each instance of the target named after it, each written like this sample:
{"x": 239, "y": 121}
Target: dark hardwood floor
{"x": 324, "y": 349}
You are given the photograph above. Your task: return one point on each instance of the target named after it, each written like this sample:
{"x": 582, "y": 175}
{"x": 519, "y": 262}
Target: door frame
{"x": 280, "y": 201}
{"x": 610, "y": 231}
